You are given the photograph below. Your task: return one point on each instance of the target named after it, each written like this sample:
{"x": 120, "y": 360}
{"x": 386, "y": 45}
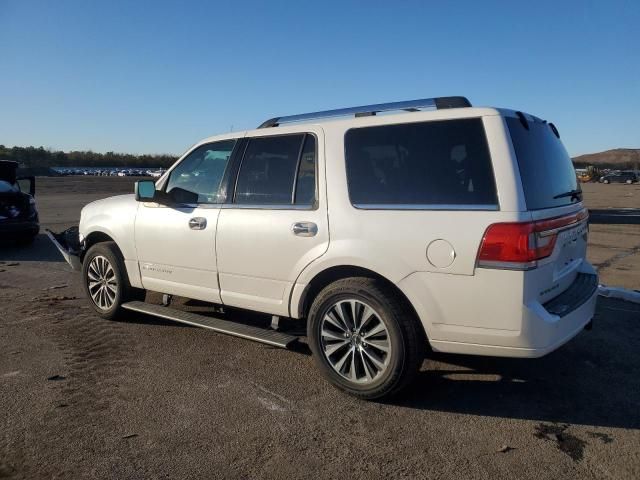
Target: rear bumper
{"x": 549, "y": 331}
{"x": 526, "y": 330}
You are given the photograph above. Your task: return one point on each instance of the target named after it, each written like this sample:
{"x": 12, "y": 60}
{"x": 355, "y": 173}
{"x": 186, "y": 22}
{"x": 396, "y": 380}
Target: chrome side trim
{"x": 178, "y": 206}
{"x": 372, "y": 206}
{"x": 252, "y": 206}
{"x": 523, "y": 266}
{"x": 570, "y": 226}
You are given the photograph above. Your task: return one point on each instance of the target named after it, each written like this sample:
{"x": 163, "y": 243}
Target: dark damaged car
{"x": 18, "y": 215}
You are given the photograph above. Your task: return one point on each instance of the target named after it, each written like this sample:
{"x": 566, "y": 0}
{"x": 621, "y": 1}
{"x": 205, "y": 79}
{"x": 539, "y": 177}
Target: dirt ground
{"x": 598, "y": 195}
{"x": 614, "y": 249}
{"x": 82, "y": 397}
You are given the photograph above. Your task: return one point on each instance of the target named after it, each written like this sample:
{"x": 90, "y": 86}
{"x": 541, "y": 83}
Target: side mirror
{"x": 145, "y": 190}
{"x": 27, "y": 184}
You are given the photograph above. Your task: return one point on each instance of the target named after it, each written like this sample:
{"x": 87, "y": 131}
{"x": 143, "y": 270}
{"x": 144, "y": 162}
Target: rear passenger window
{"x": 428, "y": 164}
{"x": 306, "y": 182}
{"x": 278, "y": 171}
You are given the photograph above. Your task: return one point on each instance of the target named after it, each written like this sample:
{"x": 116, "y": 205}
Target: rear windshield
{"x": 545, "y": 166}
{"x": 438, "y": 164}
{"x": 6, "y": 187}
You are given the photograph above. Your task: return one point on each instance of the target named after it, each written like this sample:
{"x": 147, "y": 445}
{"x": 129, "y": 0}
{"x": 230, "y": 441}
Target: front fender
{"x": 114, "y": 218}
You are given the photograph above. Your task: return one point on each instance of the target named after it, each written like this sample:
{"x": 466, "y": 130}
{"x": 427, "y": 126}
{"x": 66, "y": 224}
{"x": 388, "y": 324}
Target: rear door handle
{"x": 304, "y": 229}
{"x": 198, "y": 223}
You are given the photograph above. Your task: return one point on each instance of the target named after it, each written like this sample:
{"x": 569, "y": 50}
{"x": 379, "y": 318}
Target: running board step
{"x": 262, "y": 335}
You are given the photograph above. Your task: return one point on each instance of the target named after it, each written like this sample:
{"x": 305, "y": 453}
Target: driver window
{"x": 201, "y": 173}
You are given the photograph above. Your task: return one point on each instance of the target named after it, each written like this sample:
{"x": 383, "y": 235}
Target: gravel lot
{"x": 82, "y": 397}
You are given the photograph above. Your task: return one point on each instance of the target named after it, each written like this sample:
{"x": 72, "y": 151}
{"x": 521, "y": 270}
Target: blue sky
{"x": 155, "y": 77}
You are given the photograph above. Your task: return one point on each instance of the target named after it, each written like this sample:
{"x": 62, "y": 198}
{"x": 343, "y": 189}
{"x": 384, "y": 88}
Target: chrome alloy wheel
{"x": 355, "y": 341}
{"x": 102, "y": 282}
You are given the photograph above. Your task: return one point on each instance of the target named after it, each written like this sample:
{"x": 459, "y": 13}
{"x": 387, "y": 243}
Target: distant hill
{"x": 618, "y": 158}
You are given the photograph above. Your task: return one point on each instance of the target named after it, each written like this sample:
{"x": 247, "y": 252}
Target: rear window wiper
{"x": 574, "y": 194}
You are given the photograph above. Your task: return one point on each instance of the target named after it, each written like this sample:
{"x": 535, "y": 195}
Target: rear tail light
{"x": 519, "y": 246}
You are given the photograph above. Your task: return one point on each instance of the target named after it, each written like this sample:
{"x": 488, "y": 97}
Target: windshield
{"x": 545, "y": 166}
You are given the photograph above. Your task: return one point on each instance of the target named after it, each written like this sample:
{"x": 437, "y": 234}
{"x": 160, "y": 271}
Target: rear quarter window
{"x": 438, "y": 164}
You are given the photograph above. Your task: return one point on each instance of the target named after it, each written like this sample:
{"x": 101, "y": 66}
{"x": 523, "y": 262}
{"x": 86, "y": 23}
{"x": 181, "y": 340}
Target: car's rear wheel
{"x": 605, "y": 181}
{"x": 364, "y": 338}
{"x": 105, "y": 280}
{"x": 629, "y": 182}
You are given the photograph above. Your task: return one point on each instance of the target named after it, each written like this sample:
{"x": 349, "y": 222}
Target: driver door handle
{"x": 304, "y": 229}
{"x": 198, "y": 223}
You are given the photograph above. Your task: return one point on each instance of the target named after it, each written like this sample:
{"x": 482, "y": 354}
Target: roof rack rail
{"x": 366, "y": 110}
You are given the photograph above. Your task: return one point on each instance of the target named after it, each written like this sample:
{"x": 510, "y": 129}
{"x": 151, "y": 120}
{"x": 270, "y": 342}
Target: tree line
{"x": 41, "y": 157}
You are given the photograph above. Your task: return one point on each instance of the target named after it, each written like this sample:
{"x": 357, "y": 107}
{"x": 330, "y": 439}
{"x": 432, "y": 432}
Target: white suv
{"x": 439, "y": 226}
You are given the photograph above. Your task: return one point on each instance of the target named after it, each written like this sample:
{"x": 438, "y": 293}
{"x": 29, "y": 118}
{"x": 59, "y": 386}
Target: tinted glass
{"x": 268, "y": 170}
{"x": 545, "y": 167}
{"x": 8, "y": 171}
{"x": 306, "y": 183}
{"x": 6, "y": 187}
{"x": 429, "y": 163}
{"x": 201, "y": 173}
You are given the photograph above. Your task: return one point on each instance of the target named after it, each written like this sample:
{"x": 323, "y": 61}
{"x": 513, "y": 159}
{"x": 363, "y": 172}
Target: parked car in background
{"x": 18, "y": 214}
{"x": 620, "y": 177}
{"x": 155, "y": 173}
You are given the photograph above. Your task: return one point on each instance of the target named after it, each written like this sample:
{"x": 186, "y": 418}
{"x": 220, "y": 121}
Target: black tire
{"x": 606, "y": 181}
{"x": 405, "y": 336}
{"x": 124, "y": 292}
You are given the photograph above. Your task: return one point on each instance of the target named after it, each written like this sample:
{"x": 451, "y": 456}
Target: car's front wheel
{"x": 364, "y": 338}
{"x": 105, "y": 280}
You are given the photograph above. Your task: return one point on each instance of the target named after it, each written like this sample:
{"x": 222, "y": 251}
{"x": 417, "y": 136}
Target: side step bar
{"x": 262, "y": 335}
